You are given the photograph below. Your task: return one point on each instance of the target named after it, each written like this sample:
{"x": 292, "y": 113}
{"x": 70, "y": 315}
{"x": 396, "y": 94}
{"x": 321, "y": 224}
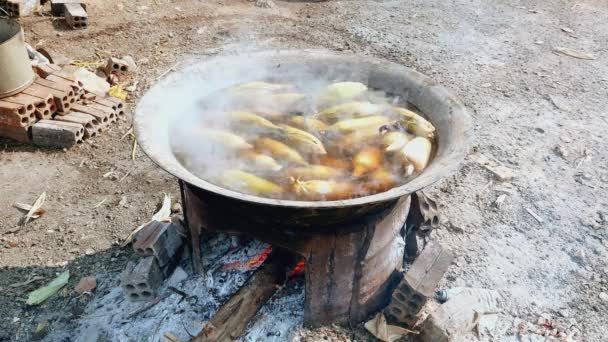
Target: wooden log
{"x": 20, "y": 134}
{"x": 59, "y": 134}
{"x": 231, "y": 320}
{"x": 418, "y": 284}
{"x": 89, "y": 122}
{"x": 17, "y": 115}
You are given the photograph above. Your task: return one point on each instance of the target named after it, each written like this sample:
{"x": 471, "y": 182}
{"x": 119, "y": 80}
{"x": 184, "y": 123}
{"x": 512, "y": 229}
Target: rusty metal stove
{"x": 351, "y": 267}
{"x": 351, "y": 247}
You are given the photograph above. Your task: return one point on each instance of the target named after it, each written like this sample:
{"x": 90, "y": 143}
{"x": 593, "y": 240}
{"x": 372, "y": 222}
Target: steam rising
{"x": 200, "y": 133}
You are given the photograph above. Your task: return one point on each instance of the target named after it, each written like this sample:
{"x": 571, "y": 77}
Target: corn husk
{"x": 40, "y": 295}
{"x": 415, "y": 123}
{"x": 303, "y": 140}
{"x": 350, "y": 125}
{"x": 367, "y": 160}
{"x": 395, "y": 141}
{"x": 328, "y": 190}
{"x": 334, "y": 162}
{"x": 348, "y": 110}
{"x": 342, "y": 92}
{"x": 224, "y": 138}
{"x": 252, "y": 121}
{"x": 260, "y": 162}
{"x": 359, "y": 138}
{"x": 243, "y": 181}
{"x": 418, "y": 152}
{"x": 279, "y": 150}
{"x": 308, "y": 123}
{"x": 315, "y": 172}
{"x": 379, "y": 181}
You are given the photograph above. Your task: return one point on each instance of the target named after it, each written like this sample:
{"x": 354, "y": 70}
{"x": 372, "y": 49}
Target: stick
{"x": 144, "y": 308}
{"x": 231, "y": 320}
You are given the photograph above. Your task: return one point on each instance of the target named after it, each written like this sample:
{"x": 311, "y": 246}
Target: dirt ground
{"x": 541, "y": 114}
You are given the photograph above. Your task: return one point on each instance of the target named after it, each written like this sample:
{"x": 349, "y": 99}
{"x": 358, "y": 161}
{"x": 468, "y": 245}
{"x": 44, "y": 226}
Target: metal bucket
{"x": 15, "y": 68}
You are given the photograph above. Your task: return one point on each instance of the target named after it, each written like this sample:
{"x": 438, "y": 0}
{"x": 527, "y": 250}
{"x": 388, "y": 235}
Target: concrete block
{"x": 58, "y": 6}
{"x": 141, "y": 281}
{"x": 89, "y": 122}
{"x": 418, "y": 284}
{"x": 17, "y": 115}
{"x": 20, "y": 134}
{"x": 58, "y": 134}
{"x": 75, "y": 16}
{"x": 160, "y": 240}
{"x": 104, "y": 118}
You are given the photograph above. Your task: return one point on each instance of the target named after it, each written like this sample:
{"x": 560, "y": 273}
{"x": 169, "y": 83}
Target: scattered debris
{"x": 567, "y": 30}
{"x": 42, "y": 328}
{"x": 117, "y": 92}
{"x": 559, "y": 104}
{"x": 27, "y": 282}
{"x": 500, "y": 200}
{"x": 144, "y": 308}
{"x": 441, "y": 296}
{"x": 35, "y": 210}
{"x": 40, "y": 295}
{"x": 169, "y": 337}
{"x": 459, "y": 314}
{"x": 501, "y": 172}
{"x": 535, "y": 215}
{"x": 162, "y": 215}
{"x": 100, "y": 203}
{"x": 86, "y": 284}
{"x": 561, "y": 151}
{"x": 265, "y": 4}
{"x": 572, "y": 53}
{"x": 378, "y": 327}
{"x": 418, "y": 284}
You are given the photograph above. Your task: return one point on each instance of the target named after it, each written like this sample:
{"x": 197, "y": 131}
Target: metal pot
{"x": 15, "y": 68}
{"x": 159, "y": 109}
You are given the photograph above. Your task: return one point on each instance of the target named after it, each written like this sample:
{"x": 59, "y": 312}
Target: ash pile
{"x": 181, "y": 304}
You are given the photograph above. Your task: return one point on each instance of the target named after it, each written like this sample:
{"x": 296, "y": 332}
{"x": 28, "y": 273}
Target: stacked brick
{"x": 56, "y": 110}
{"x": 159, "y": 246}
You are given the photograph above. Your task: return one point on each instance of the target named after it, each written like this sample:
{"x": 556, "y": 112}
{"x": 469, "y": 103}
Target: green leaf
{"x": 38, "y": 296}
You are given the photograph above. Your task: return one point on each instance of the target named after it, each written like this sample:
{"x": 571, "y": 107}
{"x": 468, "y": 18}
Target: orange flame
{"x": 298, "y": 269}
{"x": 253, "y": 262}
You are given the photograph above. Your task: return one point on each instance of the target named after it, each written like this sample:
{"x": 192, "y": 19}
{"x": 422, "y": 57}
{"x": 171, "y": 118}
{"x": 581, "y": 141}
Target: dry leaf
{"x": 388, "y": 333}
{"x": 572, "y": 53}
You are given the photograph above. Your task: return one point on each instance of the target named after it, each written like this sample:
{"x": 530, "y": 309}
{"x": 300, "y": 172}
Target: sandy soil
{"x": 539, "y": 113}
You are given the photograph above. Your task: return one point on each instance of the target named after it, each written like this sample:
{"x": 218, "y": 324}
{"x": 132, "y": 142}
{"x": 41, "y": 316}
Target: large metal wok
{"x": 175, "y": 96}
